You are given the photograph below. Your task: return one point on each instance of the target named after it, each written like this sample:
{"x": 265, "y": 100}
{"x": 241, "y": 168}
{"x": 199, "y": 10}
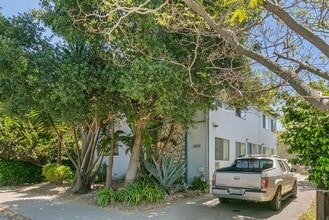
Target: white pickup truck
{"x": 260, "y": 178}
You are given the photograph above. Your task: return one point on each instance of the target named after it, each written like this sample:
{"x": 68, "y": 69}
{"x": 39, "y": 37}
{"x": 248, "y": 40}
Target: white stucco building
{"x": 222, "y": 135}
{"x": 217, "y": 138}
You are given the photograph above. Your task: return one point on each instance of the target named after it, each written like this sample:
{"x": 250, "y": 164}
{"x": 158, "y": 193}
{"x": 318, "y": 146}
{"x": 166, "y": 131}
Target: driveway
{"x": 205, "y": 207}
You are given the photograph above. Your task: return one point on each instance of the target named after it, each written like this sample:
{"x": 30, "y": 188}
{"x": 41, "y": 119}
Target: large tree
{"x": 70, "y": 82}
{"x": 162, "y": 74}
{"x": 288, "y": 38}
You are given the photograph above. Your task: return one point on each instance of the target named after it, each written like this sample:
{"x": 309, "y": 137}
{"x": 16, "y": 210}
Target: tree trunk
{"x": 108, "y": 183}
{"x": 80, "y": 184}
{"x": 134, "y": 158}
{"x": 59, "y": 152}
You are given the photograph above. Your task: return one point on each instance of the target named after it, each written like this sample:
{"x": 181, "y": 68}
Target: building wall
{"x": 196, "y": 148}
{"x": 223, "y": 123}
{"x": 121, "y": 161}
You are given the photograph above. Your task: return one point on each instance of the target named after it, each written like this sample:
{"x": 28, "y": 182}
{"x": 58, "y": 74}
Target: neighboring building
{"x": 222, "y": 135}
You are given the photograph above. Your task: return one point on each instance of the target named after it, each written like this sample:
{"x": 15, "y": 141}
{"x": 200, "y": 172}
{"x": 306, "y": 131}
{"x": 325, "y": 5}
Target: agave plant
{"x": 167, "y": 173}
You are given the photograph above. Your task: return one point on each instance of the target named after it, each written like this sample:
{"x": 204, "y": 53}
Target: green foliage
{"x": 55, "y": 173}
{"x": 105, "y": 197}
{"x": 307, "y": 134}
{"x": 24, "y": 140}
{"x": 140, "y": 192}
{"x": 133, "y": 194}
{"x": 168, "y": 173}
{"x": 199, "y": 184}
{"x": 19, "y": 172}
{"x": 101, "y": 173}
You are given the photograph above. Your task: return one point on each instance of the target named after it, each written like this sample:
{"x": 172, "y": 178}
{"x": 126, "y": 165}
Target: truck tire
{"x": 223, "y": 200}
{"x": 294, "y": 191}
{"x": 276, "y": 202}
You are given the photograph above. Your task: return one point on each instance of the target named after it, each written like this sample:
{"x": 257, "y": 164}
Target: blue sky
{"x": 13, "y": 7}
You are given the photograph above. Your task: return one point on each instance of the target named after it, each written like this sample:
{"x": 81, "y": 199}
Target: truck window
{"x": 283, "y": 168}
{"x": 286, "y": 165}
{"x": 253, "y": 164}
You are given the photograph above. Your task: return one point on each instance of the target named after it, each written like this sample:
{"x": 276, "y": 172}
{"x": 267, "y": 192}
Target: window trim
{"x": 265, "y": 122}
{"x": 240, "y": 145}
{"x": 225, "y": 154}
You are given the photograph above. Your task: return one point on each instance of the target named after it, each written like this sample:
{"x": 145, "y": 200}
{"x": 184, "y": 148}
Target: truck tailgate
{"x": 239, "y": 179}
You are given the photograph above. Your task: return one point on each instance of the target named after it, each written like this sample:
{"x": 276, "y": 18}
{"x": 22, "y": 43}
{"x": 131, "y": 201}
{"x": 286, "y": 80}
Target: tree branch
{"x": 306, "y": 66}
{"x": 313, "y": 96}
{"x": 297, "y": 28}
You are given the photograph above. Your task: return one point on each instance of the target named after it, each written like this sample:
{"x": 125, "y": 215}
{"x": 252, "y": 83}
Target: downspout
{"x": 207, "y": 147}
{"x": 186, "y": 155}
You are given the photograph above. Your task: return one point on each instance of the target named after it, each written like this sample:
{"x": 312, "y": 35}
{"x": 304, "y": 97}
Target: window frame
{"x": 223, "y": 154}
{"x": 240, "y": 113}
{"x": 265, "y": 122}
{"x": 273, "y": 125}
{"x": 240, "y": 145}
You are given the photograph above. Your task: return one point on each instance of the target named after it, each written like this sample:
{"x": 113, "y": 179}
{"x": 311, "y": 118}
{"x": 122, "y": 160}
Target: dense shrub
{"x": 199, "y": 184}
{"x": 18, "y": 172}
{"x": 133, "y": 194}
{"x": 55, "y": 173}
{"x": 139, "y": 192}
{"x": 105, "y": 197}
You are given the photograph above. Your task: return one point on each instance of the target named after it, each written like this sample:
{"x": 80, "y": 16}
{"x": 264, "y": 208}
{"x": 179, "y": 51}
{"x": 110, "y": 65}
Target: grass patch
{"x": 310, "y": 213}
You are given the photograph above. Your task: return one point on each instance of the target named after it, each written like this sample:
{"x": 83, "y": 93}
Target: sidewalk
{"x": 20, "y": 206}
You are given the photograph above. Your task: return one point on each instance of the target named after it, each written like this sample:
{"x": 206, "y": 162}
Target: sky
{"x": 13, "y": 7}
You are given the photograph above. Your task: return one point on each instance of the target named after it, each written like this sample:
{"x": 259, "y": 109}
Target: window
{"x": 266, "y": 150}
{"x": 282, "y": 166}
{"x": 252, "y": 164}
{"x": 249, "y": 148}
{"x": 273, "y": 125}
{"x": 255, "y": 149}
{"x": 273, "y": 151}
{"x": 222, "y": 105}
{"x": 240, "y": 113}
{"x": 116, "y": 150}
{"x": 240, "y": 149}
{"x": 219, "y": 103}
{"x": 222, "y": 149}
{"x": 265, "y": 122}
{"x": 260, "y": 149}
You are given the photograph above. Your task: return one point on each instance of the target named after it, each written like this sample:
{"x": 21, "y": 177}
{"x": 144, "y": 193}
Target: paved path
{"x": 204, "y": 207}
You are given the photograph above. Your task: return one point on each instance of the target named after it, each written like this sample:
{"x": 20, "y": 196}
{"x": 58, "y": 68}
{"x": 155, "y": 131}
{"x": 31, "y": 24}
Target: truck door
{"x": 291, "y": 179}
{"x": 285, "y": 177}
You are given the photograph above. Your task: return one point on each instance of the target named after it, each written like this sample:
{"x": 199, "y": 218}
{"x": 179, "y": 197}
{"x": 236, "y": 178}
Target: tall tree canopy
{"x": 160, "y": 74}
{"x": 289, "y": 38}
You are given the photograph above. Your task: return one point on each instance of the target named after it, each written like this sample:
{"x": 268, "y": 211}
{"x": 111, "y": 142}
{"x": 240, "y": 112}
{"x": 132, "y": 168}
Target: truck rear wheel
{"x": 276, "y": 202}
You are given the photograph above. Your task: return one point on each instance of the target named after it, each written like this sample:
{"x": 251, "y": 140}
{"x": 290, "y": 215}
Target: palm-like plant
{"x": 167, "y": 173}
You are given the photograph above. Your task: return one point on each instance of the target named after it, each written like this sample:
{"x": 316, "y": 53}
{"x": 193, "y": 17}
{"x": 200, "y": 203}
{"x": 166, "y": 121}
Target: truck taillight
{"x": 214, "y": 179}
{"x": 264, "y": 182}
